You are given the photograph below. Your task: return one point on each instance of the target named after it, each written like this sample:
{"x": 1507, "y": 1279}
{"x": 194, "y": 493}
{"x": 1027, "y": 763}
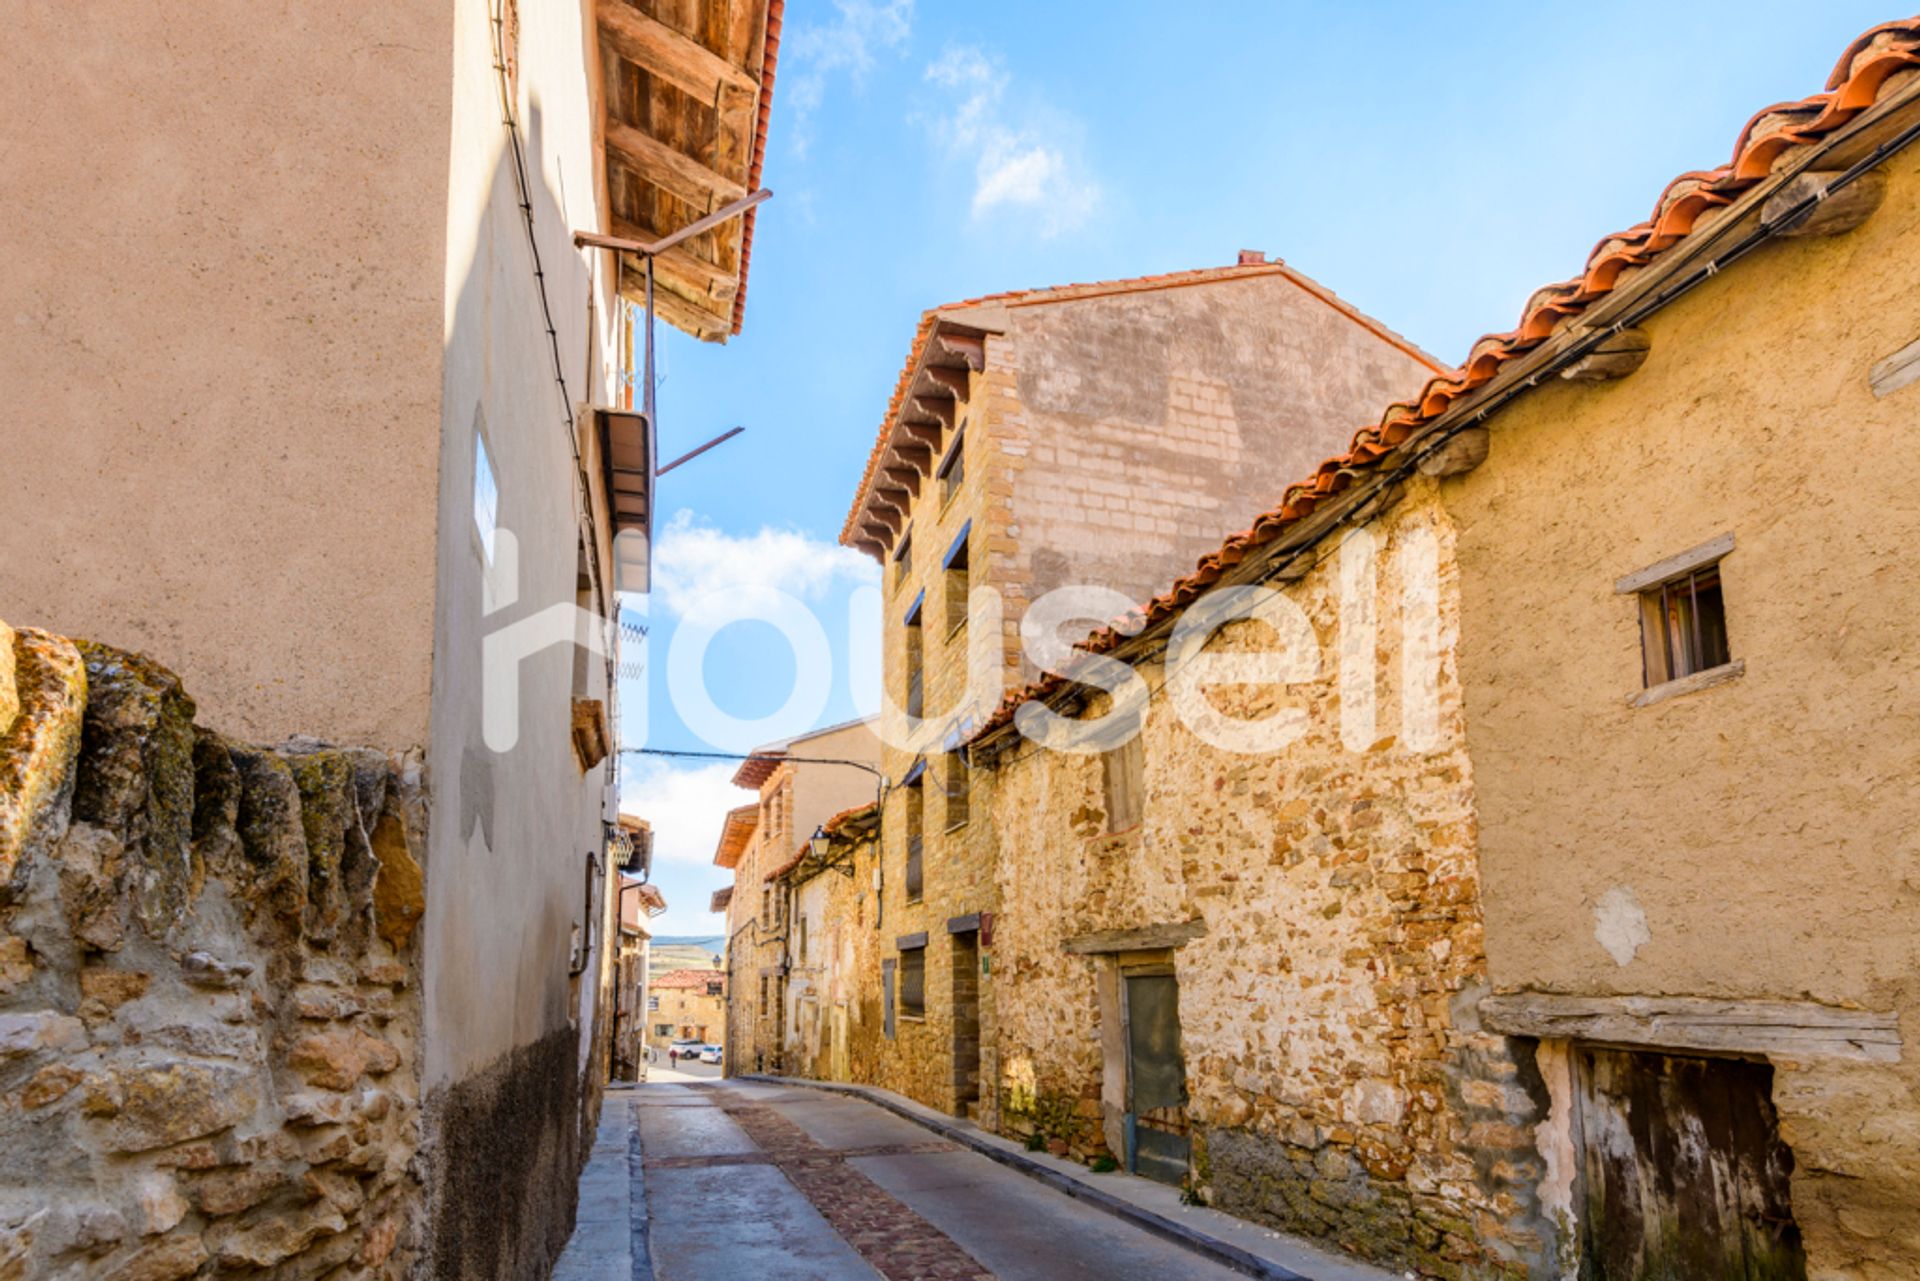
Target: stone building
{"x": 834, "y": 1019}
{"x": 802, "y": 783}
{"x": 637, "y": 902}
{"x": 686, "y": 1005}
{"x": 365, "y": 435}
{"x": 1552, "y": 942}
{"x": 1093, "y": 437}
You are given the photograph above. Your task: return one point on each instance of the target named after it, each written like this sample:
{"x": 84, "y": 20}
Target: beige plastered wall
{"x": 1756, "y": 839}
{"x": 222, "y": 357}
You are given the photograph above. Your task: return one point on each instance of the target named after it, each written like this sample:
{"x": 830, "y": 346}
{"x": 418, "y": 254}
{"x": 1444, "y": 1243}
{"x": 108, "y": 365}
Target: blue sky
{"x": 1433, "y": 164}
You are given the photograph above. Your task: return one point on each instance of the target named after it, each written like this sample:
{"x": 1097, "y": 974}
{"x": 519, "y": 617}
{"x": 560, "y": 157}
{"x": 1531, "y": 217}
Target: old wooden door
{"x": 841, "y": 1069}
{"x": 1156, "y": 1078}
{"x": 1683, "y": 1171}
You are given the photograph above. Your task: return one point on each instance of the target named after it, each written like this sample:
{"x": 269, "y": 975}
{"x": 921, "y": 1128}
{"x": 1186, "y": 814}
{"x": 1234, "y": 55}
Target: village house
{"x": 1557, "y": 933}
{"x": 362, "y": 451}
{"x": 1092, "y": 436}
{"x": 636, "y": 901}
{"x": 802, "y": 783}
{"x": 833, "y": 968}
{"x": 686, "y": 1005}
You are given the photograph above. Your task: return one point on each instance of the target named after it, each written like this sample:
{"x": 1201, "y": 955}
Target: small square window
{"x": 1683, "y": 626}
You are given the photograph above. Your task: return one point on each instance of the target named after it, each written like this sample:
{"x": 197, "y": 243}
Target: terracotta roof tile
{"x": 690, "y": 980}
{"x": 770, "y": 59}
{"x": 1855, "y": 85}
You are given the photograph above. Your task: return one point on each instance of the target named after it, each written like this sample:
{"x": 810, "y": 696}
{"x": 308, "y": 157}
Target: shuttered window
{"x": 1121, "y": 770}
{"x": 958, "y": 788}
{"x": 913, "y": 982}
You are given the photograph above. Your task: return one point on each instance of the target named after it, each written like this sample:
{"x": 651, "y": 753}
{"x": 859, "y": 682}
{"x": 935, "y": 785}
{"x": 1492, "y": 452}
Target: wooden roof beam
{"x": 922, "y": 410}
{"x": 705, "y": 278}
{"x": 906, "y": 477}
{"x": 898, "y": 499}
{"x": 674, "y": 172}
{"x": 969, "y": 349}
{"x": 925, "y": 435}
{"x": 680, "y": 60}
{"x": 916, "y": 456}
{"x": 681, "y": 313}
{"x": 950, "y": 382}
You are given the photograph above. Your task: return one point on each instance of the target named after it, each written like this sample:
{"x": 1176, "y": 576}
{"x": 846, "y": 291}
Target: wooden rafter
{"x": 672, "y": 171}
{"x": 680, "y": 60}
{"x": 705, "y": 279}
{"x": 952, "y": 382}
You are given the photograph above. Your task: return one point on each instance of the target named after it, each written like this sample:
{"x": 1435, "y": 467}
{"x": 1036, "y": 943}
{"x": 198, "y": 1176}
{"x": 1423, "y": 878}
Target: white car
{"x": 685, "y": 1048}
{"x": 710, "y": 1055}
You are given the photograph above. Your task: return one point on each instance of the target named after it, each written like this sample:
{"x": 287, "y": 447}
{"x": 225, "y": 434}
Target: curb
{"x": 1222, "y": 1252}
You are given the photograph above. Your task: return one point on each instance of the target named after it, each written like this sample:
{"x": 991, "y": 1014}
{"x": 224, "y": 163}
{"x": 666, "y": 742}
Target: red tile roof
{"x": 1096, "y": 289}
{"x": 770, "y": 58}
{"x": 688, "y": 980}
{"x": 1855, "y": 85}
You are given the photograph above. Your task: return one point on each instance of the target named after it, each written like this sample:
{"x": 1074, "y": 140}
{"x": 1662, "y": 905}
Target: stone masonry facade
{"x": 1338, "y": 1084}
{"x": 209, "y": 1017}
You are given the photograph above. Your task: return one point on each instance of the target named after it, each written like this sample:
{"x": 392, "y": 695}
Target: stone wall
{"x": 1339, "y": 1085}
{"x": 208, "y": 1011}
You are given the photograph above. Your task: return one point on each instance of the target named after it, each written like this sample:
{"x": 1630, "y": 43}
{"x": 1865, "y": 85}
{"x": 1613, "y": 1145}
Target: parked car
{"x": 710, "y": 1055}
{"x": 685, "y": 1048}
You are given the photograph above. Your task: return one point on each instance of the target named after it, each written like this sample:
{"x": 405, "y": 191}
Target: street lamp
{"x": 818, "y": 841}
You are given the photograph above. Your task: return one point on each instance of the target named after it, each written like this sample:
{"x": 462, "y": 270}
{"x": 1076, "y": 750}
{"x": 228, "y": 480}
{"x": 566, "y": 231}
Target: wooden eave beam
{"x": 969, "y": 349}
{"x": 922, "y": 411}
{"x": 673, "y": 171}
{"x": 706, "y": 278}
{"x": 915, "y": 455}
{"x": 680, "y": 60}
{"x": 906, "y": 477}
{"x": 949, "y": 382}
{"x": 677, "y": 311}
{"x": 922, "y": 434}
{"x": 898, "y": 499}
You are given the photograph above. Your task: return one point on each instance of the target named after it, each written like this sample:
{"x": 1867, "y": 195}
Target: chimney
{"x": 1252, "y": 258}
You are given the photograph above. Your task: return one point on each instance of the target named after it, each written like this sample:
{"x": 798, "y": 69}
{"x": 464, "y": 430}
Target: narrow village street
{"x": 754, "y": 1179}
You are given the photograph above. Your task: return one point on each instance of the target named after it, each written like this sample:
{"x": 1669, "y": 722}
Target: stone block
{"x": 167, "y": 1259}
{"x": 39, "y": 1031}
{"x": 160, "y": 1105}
{"x": 49, "y": 1085}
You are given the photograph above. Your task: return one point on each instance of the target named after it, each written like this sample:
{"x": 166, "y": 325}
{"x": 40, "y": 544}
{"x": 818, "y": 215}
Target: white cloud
{"x": 845, "y": 46}
{"x": 687, "y": 808}
{"x": 693, "y": 561}
{"x": 1020, "y": 155}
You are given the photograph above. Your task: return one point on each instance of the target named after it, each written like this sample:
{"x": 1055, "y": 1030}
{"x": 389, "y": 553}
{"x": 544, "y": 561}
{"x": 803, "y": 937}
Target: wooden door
{"x": 1684, "y": 1176}
{"x": 1156, "y": 1078}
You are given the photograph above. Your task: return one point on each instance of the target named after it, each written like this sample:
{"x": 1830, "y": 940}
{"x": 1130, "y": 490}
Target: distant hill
{"x": 683, "y": 952}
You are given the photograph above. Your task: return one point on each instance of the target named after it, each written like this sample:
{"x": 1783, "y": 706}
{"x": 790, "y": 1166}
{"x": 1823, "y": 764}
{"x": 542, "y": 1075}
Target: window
{"x": 1121, "y": 770}
{"x": 916, "y": 803}
{"x": 766, "y": 906}
{"x": 653, "y": 1005}
{"x": 958, "y": 786}
{"x": 663, "y": 1029}
{"x": 915, "y": 661}
{"x": 913, "y": 982}
{"x": 1684, "y": 626}
{"x": 953, "y": 468}
{"x": 1683, "y": 614}
{"x": 803, "y": 939}
{"x": 954, "y": 580}
{"x": 903, "y": 559}
{"x": 486, "y": 496}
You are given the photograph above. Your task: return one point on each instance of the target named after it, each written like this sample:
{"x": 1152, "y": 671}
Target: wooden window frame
{"x": 956, "y": 790}
{"x": 952, "y": 472}
{"x": 915, "y": 658}
{"x": 913, "y": 961}
{"x": 956, "y": 583}
{"x": 1658, "y": 590}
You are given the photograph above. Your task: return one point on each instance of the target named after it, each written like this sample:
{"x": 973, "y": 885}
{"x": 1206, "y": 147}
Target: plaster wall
{"x": 517, "y": 841}
{"x": 223, "y": 360}
{"x": 1756, "y": 839}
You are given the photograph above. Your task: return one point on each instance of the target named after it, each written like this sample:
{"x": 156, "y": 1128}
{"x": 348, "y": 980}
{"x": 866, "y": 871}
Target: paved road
{"x": 743, "y": 1181}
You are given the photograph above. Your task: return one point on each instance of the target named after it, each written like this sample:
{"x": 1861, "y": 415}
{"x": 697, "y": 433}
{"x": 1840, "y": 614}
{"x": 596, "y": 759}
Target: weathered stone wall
{"x": 1339, "y": 1084}
{"x": 1755, "y": 840}
{"x": 208, "y": 1011}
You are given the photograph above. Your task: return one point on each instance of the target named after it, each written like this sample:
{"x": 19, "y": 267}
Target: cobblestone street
{"x": 749, "y": 1180}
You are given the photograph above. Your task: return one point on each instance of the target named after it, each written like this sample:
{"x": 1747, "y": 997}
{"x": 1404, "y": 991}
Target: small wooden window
{"x": 1122, "y": 770}
{"x": 916, "y": 802}
{"x": 915, "y": 660}
{"x": 913, "y": 982}
{"x": 955, "y": 581}
{"x": 903, "y": 559}
{"x": 958, "y": 787}
{"x": 953, "y": 468}
{"x": 1683, "y": 626}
